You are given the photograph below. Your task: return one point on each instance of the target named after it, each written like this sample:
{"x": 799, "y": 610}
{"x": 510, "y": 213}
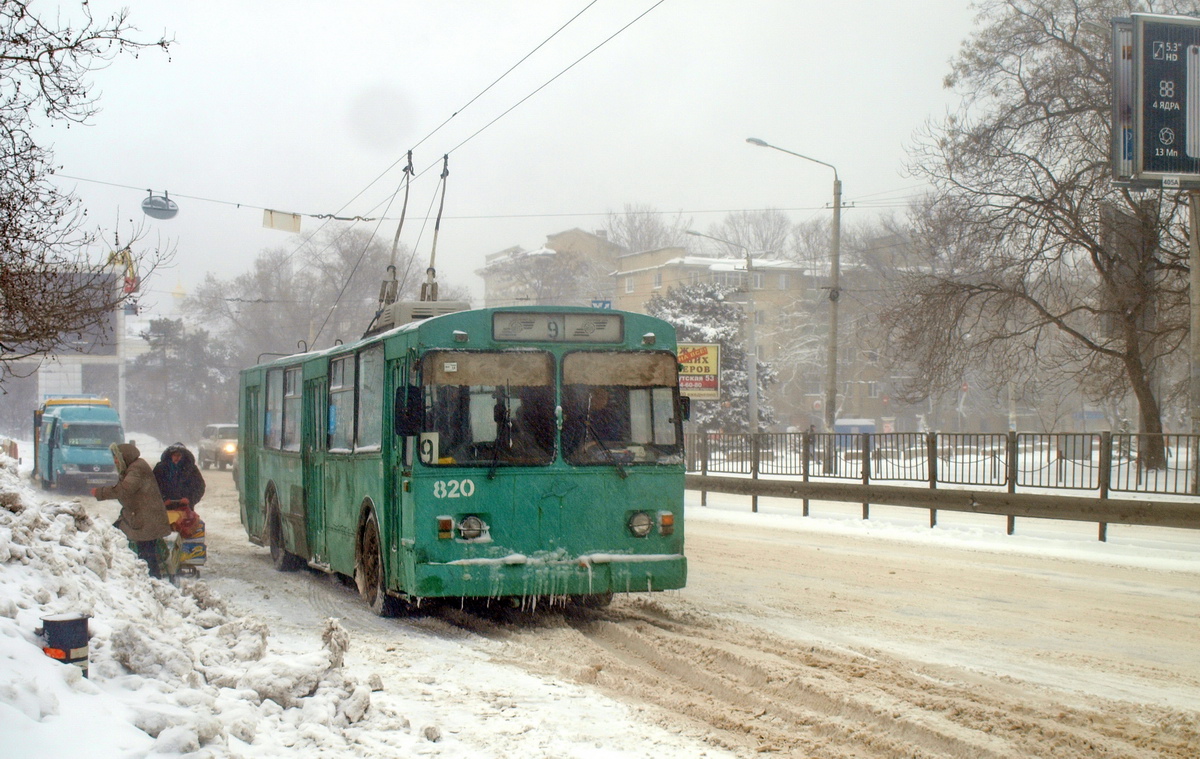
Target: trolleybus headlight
{"x": 445, "y": 527}
{"x": 640, "y": 524}
{"x": 471, "y": 527}
{"x": 666, "y": 523}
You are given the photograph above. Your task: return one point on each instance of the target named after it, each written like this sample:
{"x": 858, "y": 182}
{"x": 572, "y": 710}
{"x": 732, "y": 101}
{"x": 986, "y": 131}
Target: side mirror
{"x": 685, "y": 408}
{"x": 409, "y": 411}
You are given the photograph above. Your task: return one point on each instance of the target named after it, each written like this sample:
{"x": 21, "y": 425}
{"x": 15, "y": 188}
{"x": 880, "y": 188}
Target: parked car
{"x": 218, "y": 446}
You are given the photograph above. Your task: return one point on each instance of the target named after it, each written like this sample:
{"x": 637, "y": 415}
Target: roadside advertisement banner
{"x": 700, "y": 371}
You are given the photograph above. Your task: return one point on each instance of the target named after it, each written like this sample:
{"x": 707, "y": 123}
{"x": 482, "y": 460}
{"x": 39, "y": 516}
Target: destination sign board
{"x": 536, "y": 326}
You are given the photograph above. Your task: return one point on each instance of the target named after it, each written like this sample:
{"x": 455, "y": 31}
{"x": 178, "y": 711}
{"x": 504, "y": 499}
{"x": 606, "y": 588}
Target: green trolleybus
{"x": 523, "y": 453}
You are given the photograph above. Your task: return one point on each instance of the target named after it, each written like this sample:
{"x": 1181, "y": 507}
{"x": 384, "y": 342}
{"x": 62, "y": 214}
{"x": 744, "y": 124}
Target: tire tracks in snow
{"x": 746, "y": 690}
{"x": 738, "y": 686}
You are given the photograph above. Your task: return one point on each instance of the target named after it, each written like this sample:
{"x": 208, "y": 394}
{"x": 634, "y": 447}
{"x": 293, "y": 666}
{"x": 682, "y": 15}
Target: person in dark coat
{"x": 143, "y": 517}
{"x": 178, "y": 477}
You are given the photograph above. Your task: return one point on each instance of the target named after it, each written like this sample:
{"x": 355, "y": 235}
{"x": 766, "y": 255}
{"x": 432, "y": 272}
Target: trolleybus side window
{"x": 291, "y": 409}
{"x": 370, "y": 376}
{"x": 273, "y": 419}
{"x": 356, "y": 393}
{"x": 620, "y": 408}
{"x": 341, "y": 404}
{"x": 488, "y": 408}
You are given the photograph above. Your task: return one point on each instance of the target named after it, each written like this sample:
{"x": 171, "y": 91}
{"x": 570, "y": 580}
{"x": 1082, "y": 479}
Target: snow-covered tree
{"x": 702, "y": 313}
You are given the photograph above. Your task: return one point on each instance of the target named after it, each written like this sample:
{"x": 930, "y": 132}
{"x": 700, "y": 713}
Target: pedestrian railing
{"x": 1100, "y": 462}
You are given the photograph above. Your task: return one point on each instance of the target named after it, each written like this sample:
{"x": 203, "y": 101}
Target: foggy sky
{"x": 299, "y": 106}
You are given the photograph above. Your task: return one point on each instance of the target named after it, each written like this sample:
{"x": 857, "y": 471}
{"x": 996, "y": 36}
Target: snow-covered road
{"x": 824, "y": 636}
{"x": 831, "y": 637}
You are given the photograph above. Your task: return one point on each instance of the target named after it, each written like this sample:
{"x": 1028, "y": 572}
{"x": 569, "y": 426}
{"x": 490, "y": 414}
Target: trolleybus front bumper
{"x": 523, "y": 576}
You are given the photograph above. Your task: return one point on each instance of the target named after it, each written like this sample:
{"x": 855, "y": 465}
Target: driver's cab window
{"x": 620, "y": 408}
{"x": 488, "y": 408}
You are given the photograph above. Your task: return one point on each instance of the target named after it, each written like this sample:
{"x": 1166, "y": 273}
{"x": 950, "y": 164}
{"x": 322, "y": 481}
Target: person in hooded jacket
{"x": 178, "y": 477}
{"x": 143, "y": 517}
{"x": 182, "y": 487}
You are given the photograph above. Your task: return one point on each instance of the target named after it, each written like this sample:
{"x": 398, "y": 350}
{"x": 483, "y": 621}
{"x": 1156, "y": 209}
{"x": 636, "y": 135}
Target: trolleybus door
{"x": 248, "y": 451}
{"x": 404, "y": 456}
{"x": 315, "y": 427}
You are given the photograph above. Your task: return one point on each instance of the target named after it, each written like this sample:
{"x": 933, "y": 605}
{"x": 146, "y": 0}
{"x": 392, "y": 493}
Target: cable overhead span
{"x": 337, "y": 214}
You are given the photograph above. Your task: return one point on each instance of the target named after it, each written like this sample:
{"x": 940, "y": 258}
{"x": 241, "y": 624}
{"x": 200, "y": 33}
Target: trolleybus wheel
{"x": 368, "y": 574}
{"x": 281, "y": 558}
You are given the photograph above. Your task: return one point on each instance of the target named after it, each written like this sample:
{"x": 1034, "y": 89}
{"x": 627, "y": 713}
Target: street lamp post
{"x": 751, "y": 344}
{"x": 834, "y": 286}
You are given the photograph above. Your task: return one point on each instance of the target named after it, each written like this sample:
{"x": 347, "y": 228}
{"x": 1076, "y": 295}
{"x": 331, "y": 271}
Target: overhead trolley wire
{"x": 429, "y": 288}
{"x": 549, "y": 81}
{"x": 336, "y": 216}
{"x": 408, "y": 176}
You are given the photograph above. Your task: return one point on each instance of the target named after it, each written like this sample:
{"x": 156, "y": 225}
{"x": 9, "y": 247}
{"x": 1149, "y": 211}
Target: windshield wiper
{"x": 503, "y": 427}
{"x": 495, "y": 460}
{"x": 587, "y": 424}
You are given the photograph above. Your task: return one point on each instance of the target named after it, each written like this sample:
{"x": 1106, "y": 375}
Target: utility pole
{"x": 1194, "y": 303}
{"x": 835, "y": 290}
{"x": 751, "y": 346}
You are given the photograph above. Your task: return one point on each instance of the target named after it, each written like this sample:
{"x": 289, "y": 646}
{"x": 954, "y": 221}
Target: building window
{"x": 872, "y": 389}
{"x": 693, "y": 277}
{"x": 628, "y": 285}
{"x": 658, "y": 279}
{"x": 785, "y": 281}
{"x": 758, "y": 280}
{"x": 760, "y": 317}
{"x": 735, "y": 280}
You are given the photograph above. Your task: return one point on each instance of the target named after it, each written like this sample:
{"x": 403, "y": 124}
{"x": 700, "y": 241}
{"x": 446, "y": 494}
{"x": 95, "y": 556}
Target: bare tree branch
{"x": 53, "y": 292}
{"x": 1037, "y": 264}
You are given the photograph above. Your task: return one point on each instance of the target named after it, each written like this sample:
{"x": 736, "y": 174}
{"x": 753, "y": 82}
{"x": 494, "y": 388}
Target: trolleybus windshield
{"x": 620, "y": 408}
{"x": 488, "y": 408}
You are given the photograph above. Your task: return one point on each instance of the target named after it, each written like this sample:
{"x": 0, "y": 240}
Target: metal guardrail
{"x": 882, "y": 466}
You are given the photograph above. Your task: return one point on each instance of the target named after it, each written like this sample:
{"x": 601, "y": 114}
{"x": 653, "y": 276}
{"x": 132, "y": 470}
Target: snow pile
{"x": 171, "y": 671}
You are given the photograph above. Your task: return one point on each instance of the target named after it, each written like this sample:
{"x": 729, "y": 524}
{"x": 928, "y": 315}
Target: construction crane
{"x": 124, "y": 257}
